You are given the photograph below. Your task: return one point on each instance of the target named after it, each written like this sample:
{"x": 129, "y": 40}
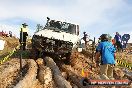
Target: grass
{"x": 10, "y": 44}
{"x": 25, "y": 54}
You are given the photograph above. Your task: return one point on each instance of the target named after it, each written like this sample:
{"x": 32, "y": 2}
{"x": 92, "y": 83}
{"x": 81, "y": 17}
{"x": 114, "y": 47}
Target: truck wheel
{"x": 35, "y": 53}
{"x": 67, "y": 60}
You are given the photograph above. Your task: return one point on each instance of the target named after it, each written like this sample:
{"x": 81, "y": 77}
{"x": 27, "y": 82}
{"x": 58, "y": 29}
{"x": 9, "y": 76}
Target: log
{"x": 30, "y": 77}
{"x": 58, "y": 78}
{"x": 73, "y": 77}
{"x": 44, "y": 72}
{"x": 45, "y": 75}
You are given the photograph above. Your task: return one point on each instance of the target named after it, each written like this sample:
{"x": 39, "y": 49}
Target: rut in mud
{"x": 45, "y": 73}
{"x": 48, "y": 72}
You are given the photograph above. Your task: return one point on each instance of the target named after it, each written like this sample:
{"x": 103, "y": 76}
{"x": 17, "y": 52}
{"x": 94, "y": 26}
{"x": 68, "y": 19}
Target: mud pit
{"x": 35, "y": 74}
{"x": 9, "y": 73}
{"x": 45, "y": 73}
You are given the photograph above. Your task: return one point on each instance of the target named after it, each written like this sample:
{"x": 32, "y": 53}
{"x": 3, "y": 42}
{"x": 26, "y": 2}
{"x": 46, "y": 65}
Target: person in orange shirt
{"x": 113, "y": 42}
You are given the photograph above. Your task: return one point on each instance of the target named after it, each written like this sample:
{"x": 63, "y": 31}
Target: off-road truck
{"x": 56, "y": 38}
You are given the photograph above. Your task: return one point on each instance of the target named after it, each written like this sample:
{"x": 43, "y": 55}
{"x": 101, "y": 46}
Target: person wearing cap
{"x": 118, "y": 40}
{"x": 106, "y": 51}
{"x": 85, "y": 37}
{"x": 23, "y": 35}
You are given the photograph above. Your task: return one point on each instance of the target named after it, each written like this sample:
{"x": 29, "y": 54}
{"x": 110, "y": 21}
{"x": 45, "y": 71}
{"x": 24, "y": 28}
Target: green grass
{"x": 25, "y": 54}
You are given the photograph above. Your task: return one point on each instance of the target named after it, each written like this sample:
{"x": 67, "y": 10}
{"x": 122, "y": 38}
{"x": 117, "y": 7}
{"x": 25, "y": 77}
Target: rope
{"x": 7, "y": 57}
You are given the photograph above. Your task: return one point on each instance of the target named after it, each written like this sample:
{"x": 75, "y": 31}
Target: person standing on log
{"x": 23, "y": 35}
{"x": 106, "y": 50}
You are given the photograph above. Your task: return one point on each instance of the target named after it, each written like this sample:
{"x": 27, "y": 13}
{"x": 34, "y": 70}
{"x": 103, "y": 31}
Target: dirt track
{"x": 37, "y": 74}
{"x": 9, "y": 73}
{"x": 41, "y": 73}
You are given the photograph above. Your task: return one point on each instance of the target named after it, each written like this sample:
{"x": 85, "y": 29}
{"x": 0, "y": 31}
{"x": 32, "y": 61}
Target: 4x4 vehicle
{"x": 56, "y": 39}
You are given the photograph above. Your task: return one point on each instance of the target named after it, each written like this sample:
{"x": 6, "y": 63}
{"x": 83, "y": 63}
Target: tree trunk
{"x": 73, "y": 77}
{"x": 59, "y": 80}
{"x": 45, "y": 75}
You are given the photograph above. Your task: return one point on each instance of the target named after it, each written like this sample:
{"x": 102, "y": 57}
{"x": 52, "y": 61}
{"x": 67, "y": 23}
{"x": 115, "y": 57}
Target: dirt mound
{"x": 43, "y": 75}
{"x": 81, "y": 61}
{"x": 9, "y": 73}
{"x": 10, "y": 44}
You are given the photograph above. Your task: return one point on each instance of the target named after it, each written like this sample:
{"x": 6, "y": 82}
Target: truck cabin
{"x": 63, "y": 26}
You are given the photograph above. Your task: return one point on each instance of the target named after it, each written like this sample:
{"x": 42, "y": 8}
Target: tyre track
{"x": 9, "y": 73}
{"x": 30, "y": 77}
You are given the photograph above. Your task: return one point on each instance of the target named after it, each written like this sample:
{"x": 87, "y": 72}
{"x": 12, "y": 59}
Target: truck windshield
{"x": 61, "y": 26}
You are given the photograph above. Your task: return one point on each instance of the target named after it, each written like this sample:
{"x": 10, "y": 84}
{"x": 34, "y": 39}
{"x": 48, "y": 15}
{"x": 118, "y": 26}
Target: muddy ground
{"x": 38, "y": 74}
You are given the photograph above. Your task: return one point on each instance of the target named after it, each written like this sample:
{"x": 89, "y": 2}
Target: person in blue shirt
{"x": 106, "y": 51}
{"x": 118, "y": 40}
{"x": 125, "y": 39}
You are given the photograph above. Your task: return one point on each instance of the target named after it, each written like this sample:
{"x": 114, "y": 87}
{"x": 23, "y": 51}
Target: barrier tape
{"x": 7, "y": 57}
{"x": 124, "y": 64}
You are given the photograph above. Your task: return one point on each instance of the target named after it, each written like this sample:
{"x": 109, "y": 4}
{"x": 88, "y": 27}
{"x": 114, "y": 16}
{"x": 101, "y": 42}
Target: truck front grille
{"x": 53, "y": 45}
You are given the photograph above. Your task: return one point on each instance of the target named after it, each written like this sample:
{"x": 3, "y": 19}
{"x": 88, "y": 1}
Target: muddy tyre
{"x": 67, "y": 60}
{"x": 35, "y": 53}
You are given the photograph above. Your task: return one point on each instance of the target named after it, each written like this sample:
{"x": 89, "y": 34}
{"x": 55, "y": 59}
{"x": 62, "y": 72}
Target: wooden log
{"x": 59, "y": 80}
{"x": 45, "y": 75}
{"x": 30, "y": 77}
{"x": 73, "y": 77}
{"x": 44, "y": 72}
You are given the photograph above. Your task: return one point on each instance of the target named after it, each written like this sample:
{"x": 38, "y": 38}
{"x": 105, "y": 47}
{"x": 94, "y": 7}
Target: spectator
{"x": 118, "y": 42}
{"x": 106, "y": 50}
{"x": 125, "y": 39}
{"x": 10, "y": 33}
{"x": 23, "y": 35}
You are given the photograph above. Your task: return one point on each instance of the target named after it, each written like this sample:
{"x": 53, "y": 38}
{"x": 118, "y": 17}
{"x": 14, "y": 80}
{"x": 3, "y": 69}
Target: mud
{"x": 10, "y": 73}
{"x": 35, "y": 73}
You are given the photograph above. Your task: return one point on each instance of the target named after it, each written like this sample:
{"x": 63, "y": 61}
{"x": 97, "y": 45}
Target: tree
{"x": 39, "y": 27}
{"x": 110, "y": 37}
